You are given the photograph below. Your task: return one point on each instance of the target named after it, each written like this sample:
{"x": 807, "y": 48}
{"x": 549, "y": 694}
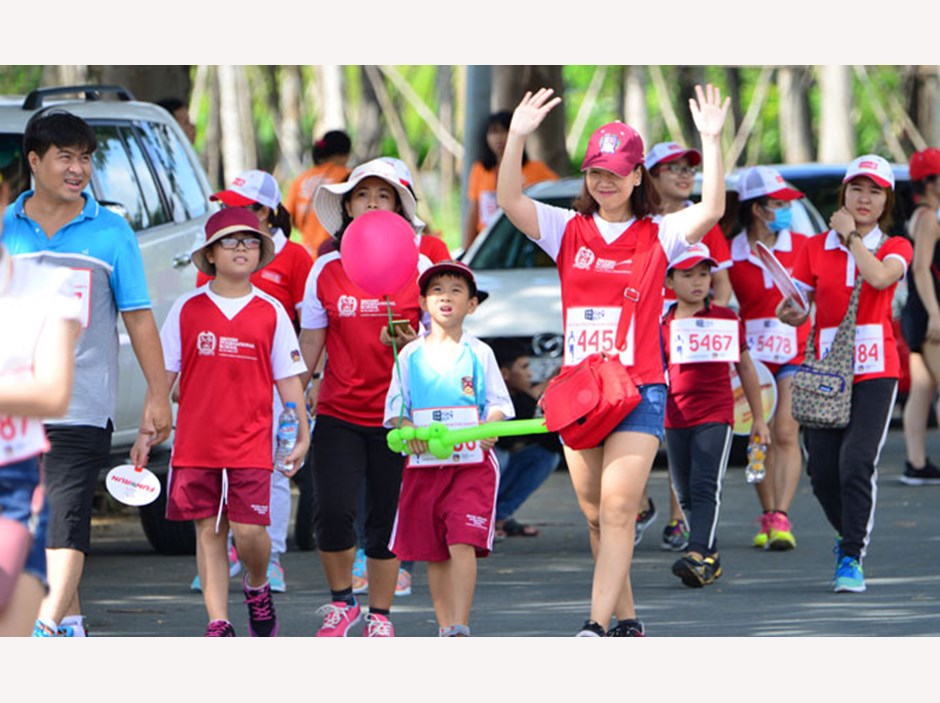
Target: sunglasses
{"x": 233, "y": 242}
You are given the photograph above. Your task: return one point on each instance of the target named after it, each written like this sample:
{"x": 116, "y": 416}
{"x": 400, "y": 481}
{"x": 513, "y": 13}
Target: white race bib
{"x": 454, "y": 418}
{"x": 21, "y": 438}
{"x": 770, "y": 340}
{"x": 869, "y": 347}
{"x": 592, "y": 330}
{"x": 694, "y": 339}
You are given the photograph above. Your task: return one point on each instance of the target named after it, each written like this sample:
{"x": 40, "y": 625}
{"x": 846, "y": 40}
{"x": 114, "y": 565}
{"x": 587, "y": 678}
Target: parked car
{"x": 145, "y": 170}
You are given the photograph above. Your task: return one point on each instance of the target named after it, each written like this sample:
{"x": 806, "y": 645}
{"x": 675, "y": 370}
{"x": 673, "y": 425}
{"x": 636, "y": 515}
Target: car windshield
{"x": 11, "y": 150}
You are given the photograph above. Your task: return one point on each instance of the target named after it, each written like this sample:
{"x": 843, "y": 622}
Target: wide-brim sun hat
{"x": 614, "y": 147}
{"x": 664, "y": 152}
{"x": 765, "y": 182}
{"x": 328, "y": 199}
{"x": 231, "y": 220}
{"x": 251, "y": 187}
{"x": 873, "y": 167}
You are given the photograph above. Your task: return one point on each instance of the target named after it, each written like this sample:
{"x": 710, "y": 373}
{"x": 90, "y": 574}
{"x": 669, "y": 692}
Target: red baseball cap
{"x": 447, "y": 266}
{"x": 693, "y": 256}
{"x": 925, "y": 163}
{"x": 615, "y": 147}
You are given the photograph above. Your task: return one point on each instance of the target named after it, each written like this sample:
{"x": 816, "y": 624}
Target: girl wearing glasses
{"x": 764, "y": 213}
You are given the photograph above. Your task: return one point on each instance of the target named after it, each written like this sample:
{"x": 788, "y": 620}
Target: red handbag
{"x": 587, "y": 400}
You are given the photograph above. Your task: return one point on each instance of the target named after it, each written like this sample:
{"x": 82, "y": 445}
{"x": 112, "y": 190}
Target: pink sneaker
{"x": 338, "y": 618}
{"x": 378, "y": 626}
{"x": 780, "y": 537}
{"x": 763, "y": 535}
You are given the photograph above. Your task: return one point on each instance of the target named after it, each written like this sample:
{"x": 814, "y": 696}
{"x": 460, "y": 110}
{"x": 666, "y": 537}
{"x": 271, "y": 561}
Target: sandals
{"x": 512, "y": 528}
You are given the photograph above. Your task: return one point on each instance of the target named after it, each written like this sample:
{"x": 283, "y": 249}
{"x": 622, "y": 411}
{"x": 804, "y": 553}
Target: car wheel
{"x": 166, "y": 536}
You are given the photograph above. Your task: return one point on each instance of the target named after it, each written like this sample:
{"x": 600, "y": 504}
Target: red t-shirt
{"x": 769, "y": 340}
{"x": 434, "y": 248}
{"x": 717, "y": 245}
{"x": 826, "y": 267}
{"x": 700, "y": 392}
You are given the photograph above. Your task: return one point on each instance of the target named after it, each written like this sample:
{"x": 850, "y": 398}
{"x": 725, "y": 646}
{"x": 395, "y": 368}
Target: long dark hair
{"x": 488, "y": 157}
{"x": 644, "y": 200}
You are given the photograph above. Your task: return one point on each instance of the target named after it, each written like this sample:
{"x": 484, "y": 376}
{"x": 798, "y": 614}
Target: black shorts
{"x": 914, "y": 317}
{"x": 70, "y": 470}
{"x": 345, "y": 454}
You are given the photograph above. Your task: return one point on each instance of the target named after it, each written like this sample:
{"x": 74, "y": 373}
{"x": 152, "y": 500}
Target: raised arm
{"x": 528, "y": 115}
{"x": 708, "y": 113}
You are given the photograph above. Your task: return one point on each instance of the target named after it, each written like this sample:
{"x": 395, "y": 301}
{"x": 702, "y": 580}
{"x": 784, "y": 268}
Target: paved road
{"x": 541, "y": 586}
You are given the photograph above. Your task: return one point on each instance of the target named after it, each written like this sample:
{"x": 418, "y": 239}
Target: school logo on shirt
{"x": 346, "y": 306}
{"x": 273, "y": 276}
{"x": 584, "y": 258}
{"x": 205, "y": 343}
{"x": 467, "y": 383}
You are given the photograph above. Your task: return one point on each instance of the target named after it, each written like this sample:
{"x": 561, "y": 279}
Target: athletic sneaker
{"x": 71, "y": 630}
{"x": 220, "y": 628}
{"x": 262, "y": 618}
{"x": 763, "y": 535}
{"x": 780, "y": 537}
{"x": 675, "y": 536}
{"x": 234, "y": 568}
{"x": 44, "y": 629}
{"x": 591, "y": 629}
{"x": 837, "y": 550}
{"x": 378, "y": 626}
{"x": 360, "y": 576}
{"x": 454, "y": 631}
{"x": 644, "y": 519}
{"x": 276, "y": 577}
{"x": 403, "y": 586}
{"x": 928, "y": 475}
{"x": 338, "y": 617}
{"x": 849, "y": 576}
{"x": 627, "y": 628}
{"x": 696, "y": 573}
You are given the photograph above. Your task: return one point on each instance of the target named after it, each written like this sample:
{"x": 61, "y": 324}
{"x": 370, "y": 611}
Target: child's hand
{"x": 488, "y": 443}
{"x": 708, "y": 111}
{"x": 761, "y": 431}
{"x": 417, "y": 446}
{"x": 403, "y": 335}
{"x": 530, "y": 112}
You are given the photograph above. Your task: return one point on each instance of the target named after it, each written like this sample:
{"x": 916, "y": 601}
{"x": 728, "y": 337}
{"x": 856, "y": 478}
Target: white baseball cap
{"x": 664, "y": 152}
{"x": 871, "y": 166}
{"x": 251, "y": 187}
{"x": 693, "y": 256}
{"x": 764, "y": 182}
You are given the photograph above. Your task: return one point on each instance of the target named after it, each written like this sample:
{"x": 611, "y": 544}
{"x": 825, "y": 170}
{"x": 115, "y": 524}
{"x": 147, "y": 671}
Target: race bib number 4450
{"x": 592, "y": 330}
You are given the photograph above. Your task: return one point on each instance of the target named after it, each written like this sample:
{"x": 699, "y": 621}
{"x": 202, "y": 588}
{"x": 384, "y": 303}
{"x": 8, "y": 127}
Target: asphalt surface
{"x": 540, "y": 586}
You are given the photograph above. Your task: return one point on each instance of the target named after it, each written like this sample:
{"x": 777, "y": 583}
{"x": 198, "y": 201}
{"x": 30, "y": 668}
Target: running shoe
{"x": 262, "y": 618}
{"x": 378, "y": 626}
{"x": 627, "y": 628}
{"x": 849, "y": 576}
{"x": 360, "y": 576}
{"x": 220, "y": 628}
{"x": 837, "y": 550}
{"x": 591, "y": 629}
{"x": 780, "y": 537}
{"x": 276, "y": 577}
{"x": 44, "y": 629}
{"x": 338, "y": 617}
{"x": 675, "y": 536}
{"x": 696, "y": 573}
{"x": 763, "y": 535}
{"x": 403, "y": 586}
{"x": 71, "y": 630}
{"x": 454, "y": 631}
{"x": 928, "y": 475}
{"x": 644, "y": 519}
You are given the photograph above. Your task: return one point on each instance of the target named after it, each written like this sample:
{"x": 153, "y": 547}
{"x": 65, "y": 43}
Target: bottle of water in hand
{"x": 288, "y": 425}
{"x": 756, "y": 454}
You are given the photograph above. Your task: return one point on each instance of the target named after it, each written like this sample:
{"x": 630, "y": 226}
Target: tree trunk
{"x": 328, "y": 84}
{"x": 65, "y": 75}
{"x": 837, "y": 114}
{"x": 925, "y": 102}
{"x": 795, "y": 133}
{"x": 235, "y": 156}
{"x": 687, "y": 78}
{"x": 369, "y": 130}
{"x": 733, "y": 79}
{"x": 150, "y": 83}
{"x": 213, "y": 137}
{"x": 289, "y": 134}
{"x": 634, "y": 101}
{"x": 445, "y": 100}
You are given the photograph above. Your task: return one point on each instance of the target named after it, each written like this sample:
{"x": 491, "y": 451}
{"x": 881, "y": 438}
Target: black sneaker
{"x": 644, "y": 519}
{"x": 262, "y": 619}
{"x": 591, "y": 629}
{"x": 696, "y": 573}
{"x": 929, "y": 475}
{"x": 627, "y": 628}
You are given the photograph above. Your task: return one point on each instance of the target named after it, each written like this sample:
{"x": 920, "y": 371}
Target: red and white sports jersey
{"x": 228, "y": 352}
{"x": 595, "y": 267}
{"x": 717, "y": 245}
{"x": 358, "y": 367}
{"x": 770, "y": 341}
{"x": 826, "y": 267}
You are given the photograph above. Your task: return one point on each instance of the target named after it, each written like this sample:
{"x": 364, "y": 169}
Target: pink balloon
{"x": 379, "y": 253}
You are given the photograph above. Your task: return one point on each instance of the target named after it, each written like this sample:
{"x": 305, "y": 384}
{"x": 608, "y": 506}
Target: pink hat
{"x": 871, "y": 166}
{"x": 925, "y": 163}
{"x": 231, "y": 220}
{"x": 664, "y": 152}
{"x": 764, "y": 182}
{"x": 693, "y": 256}
{"x": 251, "y": 187}
{"x": 615, "y": 147}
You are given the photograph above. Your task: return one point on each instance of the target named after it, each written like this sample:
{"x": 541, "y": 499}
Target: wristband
{"x": 315, "y": 376}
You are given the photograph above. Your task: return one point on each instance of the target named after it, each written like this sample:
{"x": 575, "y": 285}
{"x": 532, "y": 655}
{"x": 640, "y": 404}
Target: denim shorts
{"x": 785, "y": 371}
{"x": 17, "y": 482}
{"x": 650, "y": 415}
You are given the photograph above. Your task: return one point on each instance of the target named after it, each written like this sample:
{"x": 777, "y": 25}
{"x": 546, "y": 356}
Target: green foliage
{"x": 19, "y": 80}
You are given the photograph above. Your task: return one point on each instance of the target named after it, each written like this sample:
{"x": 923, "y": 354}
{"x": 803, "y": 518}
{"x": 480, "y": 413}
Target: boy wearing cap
{"x": 230, "y": 344}
{"x": 701, "y": 341}
{"x": 447, "y": 507}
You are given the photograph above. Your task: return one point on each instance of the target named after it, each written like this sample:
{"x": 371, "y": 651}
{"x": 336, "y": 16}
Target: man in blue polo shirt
{"x": 60, "y": 223}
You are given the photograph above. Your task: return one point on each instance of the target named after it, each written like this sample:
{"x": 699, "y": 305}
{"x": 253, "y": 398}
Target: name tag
{"x": 696, "y": 339}
{"x": 869, "y": 347}
{"x": 454, "y": 418}
{"x": 20, "y": 438}
{"x": 592, "y": 330}
{"x": 769, "y": 339}
{"x": 488, "y": 206}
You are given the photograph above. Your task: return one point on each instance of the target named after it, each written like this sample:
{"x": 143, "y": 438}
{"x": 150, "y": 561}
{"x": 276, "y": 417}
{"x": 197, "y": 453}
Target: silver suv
{"x": 146, "y": 171}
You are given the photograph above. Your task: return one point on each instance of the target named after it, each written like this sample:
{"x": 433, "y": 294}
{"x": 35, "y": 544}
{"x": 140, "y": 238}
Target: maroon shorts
{"x": 440, "y": 506}
{"x": 195, "y": 494}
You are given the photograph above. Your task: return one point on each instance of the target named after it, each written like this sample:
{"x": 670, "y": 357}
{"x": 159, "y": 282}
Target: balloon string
{"x": 391, "y": 329}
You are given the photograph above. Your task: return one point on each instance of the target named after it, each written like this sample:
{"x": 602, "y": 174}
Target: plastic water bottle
{"x": 756, "y": 454}
{"x": 288, "y": 425}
